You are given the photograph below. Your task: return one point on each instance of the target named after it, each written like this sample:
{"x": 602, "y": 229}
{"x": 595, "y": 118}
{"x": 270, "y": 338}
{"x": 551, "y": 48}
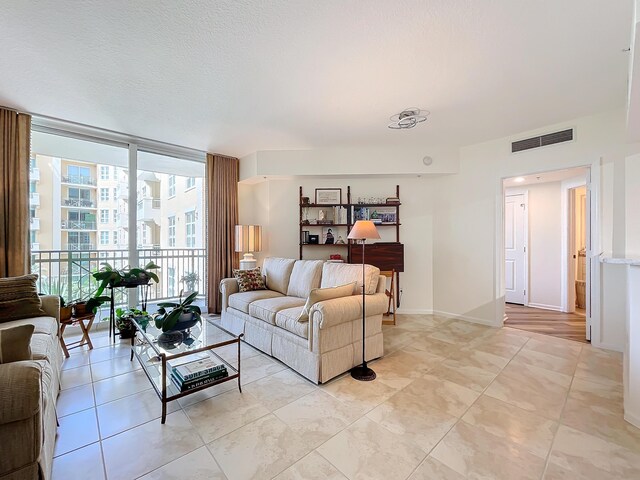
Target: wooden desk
{"x": 387, "y": 256}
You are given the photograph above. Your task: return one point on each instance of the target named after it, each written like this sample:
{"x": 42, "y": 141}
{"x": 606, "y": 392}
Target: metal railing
{"x": 76, "y": 247}
{"x": 78, "y": 202}
{"x": 78, "y": 225}
{"x": 68, "y": 273}
{"x": 79, "y": 180}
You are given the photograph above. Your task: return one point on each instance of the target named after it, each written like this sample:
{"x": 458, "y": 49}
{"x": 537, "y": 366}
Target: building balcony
{"x": 122, "y": 191}
{"x": 35, "y": 246}
{"x": 34, "y": 174}
{"x": 79, "y": 180}
{"x": 79, "y": 203}
{"x": 78, "y": 225}
{"x": 80, "y": 246}
{"x": 34, "y": 199}
{"x": 123, "y": 220}
{"x": 34, "y": 223}
{"x": 149, "y": 210}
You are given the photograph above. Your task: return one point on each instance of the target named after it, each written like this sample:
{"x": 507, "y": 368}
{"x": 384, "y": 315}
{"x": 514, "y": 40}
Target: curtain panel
{"x": 223, "y": 174}
{"x": 15, "y": 142}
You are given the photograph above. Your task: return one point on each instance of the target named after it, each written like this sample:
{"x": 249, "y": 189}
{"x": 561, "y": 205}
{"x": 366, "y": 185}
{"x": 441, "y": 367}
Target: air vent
{"x": 541, "y": 141}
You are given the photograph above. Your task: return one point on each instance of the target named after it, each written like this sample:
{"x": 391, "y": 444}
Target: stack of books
{"x": 197, "y": 373}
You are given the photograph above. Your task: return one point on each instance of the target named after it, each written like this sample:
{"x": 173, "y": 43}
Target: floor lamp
{"x": 362, "y": 230}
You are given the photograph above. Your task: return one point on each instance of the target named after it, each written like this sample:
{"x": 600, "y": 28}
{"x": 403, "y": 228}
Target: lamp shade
{"x": 362, "y": 230}
{"x": 248, "y": 238}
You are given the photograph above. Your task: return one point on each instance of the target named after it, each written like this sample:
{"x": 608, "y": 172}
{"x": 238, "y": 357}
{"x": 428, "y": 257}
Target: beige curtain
{"x": 222, "y": 184}
{"x": 15, "y": 141}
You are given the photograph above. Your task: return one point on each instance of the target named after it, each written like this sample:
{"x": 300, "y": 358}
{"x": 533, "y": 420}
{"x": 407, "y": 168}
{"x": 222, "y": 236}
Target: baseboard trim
{"x": 632, "y": 419}
{"x": 542, "y": 306}
{"x": 414, "y": 311}
{"x": 468, "y": 318}
{"x": 607, "y": 346}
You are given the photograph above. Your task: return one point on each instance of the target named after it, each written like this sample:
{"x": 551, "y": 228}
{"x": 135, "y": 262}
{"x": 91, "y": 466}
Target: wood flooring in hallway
{"x": 570, "y": 326}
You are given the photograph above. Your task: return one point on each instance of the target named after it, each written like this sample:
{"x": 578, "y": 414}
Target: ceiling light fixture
{"x": 408, "y": 118}
{"x": 518, "y": 179}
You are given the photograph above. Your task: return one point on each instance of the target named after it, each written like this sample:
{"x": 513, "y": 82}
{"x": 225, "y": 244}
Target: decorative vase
{"x": 80, "y": 309}
{"x": 170, "y": 340}
{"x": 185, "y": 322}
{"x": 65, "y": 313}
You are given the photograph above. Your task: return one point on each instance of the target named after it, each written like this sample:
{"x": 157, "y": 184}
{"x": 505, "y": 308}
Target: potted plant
{"x": 178, "y": 316}
{"x": 124, "y": 321}
{"x": 190, "y": 281}
{"x": 125, "y": 277}
{"x": 65, "y": 310}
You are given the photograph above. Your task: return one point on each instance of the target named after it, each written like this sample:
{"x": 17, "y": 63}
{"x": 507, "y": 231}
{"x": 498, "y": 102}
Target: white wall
{"x": 468, "y": 214}
{"x": 632, "y": 206}
{"x": 273, "y": 203}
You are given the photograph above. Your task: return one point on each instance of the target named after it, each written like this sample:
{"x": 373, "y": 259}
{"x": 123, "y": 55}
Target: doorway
{"x": 546, "y": 268}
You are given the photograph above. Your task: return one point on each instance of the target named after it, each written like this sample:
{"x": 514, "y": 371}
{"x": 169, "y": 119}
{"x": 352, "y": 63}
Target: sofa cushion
{"x": 277, "y": 272}
{"x": 249, "y": 280}
{"x": 14, "y": 343}
{"x": 266, "y": 310}
{"x": 334, "y": 274}
{"x": 47, "y": 325}
{"x": 19, "y": 298}
{"x": 241, "y": 301}
{"x": 320, "y": 294}
{"x": 288, "y": 320}
{"x": 305, "y": 276}
{"x": 43, "y": 347}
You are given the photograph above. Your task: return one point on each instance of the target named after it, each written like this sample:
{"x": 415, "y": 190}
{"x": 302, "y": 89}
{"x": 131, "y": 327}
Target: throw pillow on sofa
{"x": 19, "y": 298}
{"x": 249, "y": 280}
{"x": 320, "y": 294}
{"x": 15, "y": 343}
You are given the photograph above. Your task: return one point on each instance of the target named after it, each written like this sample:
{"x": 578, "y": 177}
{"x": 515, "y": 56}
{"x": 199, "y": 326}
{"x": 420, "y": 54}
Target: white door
{"x": 515, "y": 210}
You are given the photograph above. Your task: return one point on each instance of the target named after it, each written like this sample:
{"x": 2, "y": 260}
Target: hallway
{"x": 570, "y": 326}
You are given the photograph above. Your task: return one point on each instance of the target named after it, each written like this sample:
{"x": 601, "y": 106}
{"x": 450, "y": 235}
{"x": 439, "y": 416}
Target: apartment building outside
{"x": 80, "y": 218}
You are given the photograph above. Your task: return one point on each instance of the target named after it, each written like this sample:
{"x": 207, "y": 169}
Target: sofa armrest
{"x": 228, "y": 286}
{"x": 51, "y": 306}
{"x": 346, "y": 309}
{"x": 20, "y": 390}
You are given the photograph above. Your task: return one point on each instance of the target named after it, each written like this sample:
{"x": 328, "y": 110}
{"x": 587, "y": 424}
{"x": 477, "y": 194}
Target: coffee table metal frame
{"x": 153, "y": 360}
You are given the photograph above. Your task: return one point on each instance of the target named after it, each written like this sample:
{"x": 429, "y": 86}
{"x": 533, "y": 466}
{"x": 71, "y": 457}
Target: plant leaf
{"x": 171, "y": 320}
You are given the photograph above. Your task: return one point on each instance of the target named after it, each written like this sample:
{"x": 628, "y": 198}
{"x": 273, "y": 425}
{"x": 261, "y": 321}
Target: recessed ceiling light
{"x": 518, "y": 179}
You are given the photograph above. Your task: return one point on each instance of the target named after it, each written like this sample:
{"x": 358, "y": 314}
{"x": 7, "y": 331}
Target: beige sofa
{"x": 330, "y": 343}
{"x": 28, "y": 393}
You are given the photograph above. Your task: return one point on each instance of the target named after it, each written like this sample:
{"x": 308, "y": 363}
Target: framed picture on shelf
{"x": 328, "y": 196}
{"x": 384, "y": 214}
{"x": 328, "y": 235}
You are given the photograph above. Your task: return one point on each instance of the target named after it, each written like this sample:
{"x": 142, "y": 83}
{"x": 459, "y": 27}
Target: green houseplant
{"x": 124, "y": 321}
{"x": 178, "y": 316}
{"x": 190, "y": 281}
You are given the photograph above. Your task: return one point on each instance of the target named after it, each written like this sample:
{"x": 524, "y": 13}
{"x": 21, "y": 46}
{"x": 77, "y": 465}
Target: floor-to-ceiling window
{"x": 80, "y": 214}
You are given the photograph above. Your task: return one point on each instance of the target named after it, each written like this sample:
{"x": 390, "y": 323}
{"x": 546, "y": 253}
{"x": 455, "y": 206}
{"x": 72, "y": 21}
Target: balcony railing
{"x": 34, "y": 223}
{"x": 66, "y": 273}
{"x": 34, "y": 199}
{"x": 77, "y": 202}
{"x": 80, "y": 246}
{"x": 34, "y": 174}
{"x": 78, "y": 225}
{"x": 79, "y": 180}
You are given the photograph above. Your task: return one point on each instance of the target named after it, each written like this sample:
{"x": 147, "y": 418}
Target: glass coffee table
{"x": 153, "y": 349}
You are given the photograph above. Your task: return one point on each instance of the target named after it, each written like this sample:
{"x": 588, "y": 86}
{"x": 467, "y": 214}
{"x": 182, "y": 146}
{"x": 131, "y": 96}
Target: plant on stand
{"x": 190, "y": 281}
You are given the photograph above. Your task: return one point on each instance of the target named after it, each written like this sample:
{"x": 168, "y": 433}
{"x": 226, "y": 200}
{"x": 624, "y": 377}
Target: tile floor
{"x": 452, "y": 400}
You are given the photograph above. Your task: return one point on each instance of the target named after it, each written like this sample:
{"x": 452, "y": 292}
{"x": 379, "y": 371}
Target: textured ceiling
{"x": 245, "y": 75}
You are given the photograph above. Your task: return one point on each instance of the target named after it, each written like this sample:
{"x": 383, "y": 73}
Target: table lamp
{"x": 248, "y": 241}
{"x": 362, "y": 230}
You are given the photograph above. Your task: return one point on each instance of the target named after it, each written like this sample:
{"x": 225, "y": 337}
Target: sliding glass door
{"x": 83, "y": 214}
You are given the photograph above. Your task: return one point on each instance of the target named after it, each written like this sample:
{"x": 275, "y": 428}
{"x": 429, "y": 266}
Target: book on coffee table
{"x": 184, "y": 386}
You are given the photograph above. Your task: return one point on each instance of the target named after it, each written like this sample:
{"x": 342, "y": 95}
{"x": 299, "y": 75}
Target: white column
{"x": 632, "y": 348}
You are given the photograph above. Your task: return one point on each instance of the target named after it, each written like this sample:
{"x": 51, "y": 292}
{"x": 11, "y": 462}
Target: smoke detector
{"x": 408, "y": 118}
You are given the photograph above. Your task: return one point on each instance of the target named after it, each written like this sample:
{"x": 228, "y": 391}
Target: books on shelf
{"x": 186, "y": 385}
